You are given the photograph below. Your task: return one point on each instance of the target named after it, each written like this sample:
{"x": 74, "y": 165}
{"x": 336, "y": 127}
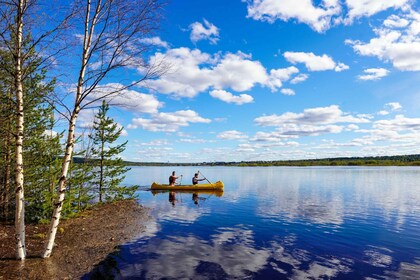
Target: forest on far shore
{"x": 401, "y": 160}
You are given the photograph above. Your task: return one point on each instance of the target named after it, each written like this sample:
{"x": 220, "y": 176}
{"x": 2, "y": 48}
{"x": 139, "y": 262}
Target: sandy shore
{"x": 81, "y": 243}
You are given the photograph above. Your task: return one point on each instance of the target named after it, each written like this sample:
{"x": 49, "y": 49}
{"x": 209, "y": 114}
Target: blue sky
{"x": 278, "y": 80}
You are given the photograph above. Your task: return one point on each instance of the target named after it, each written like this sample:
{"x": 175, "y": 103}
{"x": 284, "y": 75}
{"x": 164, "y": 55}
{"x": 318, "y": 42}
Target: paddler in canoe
{"x": 172, "y": 179}
{"x": 195, "y": 179}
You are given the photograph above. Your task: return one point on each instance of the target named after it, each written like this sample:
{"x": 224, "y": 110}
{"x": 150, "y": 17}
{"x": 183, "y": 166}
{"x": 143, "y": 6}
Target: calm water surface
{"x": 278, "y": 223}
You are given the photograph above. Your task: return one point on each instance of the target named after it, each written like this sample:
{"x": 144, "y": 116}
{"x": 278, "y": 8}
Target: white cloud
{"x": 395, "y": 21}
{"x": 208, "y": 31}
{"x": 383, "y": 113}
{"x": 239, "y": 72}
{"x": 399, "y": 123}
{"x": 193, "y": 72}
{"x": 157, "y": 142}
{"x": 231, "y": 135}
{"x": 245, "y": 148}
{"x": 360, "y": 8}
{"x": 299, "y": 78}
{"x": 278, "y": 76}
{"x": 127, "y": 99}
{"x": 193, "y": 141}
{"x": 373, "y": 74}
{"x": 318, "y": 17}
{"x": 287, "y": 91}
{"x": 392, "y": 44}
{"x": 312, "y": 122}
{"x": 314, "y": 62}
{"x": 321, "y": 115}
{"x": 352, "y": 127}
{"x": 298, "y": 130}
{"x": 230, "y": 98}
{"x": 341, "y": 67}
{"x": 50, "y": 133}
{"x": 156, "y": 41}
{"x": 325, "y": 14}
{"x": 393, "y": 106}
{"x": 168, "y": 122}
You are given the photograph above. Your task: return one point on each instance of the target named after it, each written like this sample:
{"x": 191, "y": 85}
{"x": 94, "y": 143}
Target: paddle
{"x": 205, "y": 177}
{"x": 180, "y": 181}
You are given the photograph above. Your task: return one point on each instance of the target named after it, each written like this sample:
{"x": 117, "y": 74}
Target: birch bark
{"x": 58, "y": 205}
{"x": 112, "y": 29}
{"x": 20, "y": 200}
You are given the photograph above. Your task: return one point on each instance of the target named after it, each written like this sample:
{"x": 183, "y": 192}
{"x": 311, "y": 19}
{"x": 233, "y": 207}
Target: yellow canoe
{"x": 218, "y": 193}
{"x": 214, "y": 186}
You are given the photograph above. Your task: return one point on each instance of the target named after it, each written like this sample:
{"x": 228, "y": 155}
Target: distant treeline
{"x": 403, "y": 160}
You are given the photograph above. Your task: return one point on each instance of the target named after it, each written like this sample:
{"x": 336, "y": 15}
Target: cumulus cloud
{"x": 399, "y": 123}
{"x": 394, "y": 21}
{"x": 50, "y": 133}
{"x": 299, "y": 78}
{"x": 208, "y": 31}
{"x": 168, "y": 122}
{"x": 230, "y": 98}
{"x": 373, "y": 74}
{"x": 278, "y": 76}
{"x": 383, "y": 113}
{"x": 193, "y": 72}
{"x": 157, "y": 142}
{"x": 393, "y": 106}
{"x": 360, "y": 8}
{"x": 390, "y": 107}
{"x": 397, "y": 41}
{"x": 231, "y": 135}
{"x": 156, "y": 41}
{"x": 287, "y": 91}
{"x": 314, "y": 62}
{"x": 127, "y": 99}
{"x": 318, "y": 17}
{"x": 323, "y": 15}
{"x": 312, "y": 122}
{"x": 287, "y": 131}
{"x": 321, "y": 115}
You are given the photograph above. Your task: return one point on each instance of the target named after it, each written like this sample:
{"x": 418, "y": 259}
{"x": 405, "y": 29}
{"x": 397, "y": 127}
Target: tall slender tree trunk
{"x": 101, "y": 173}
{"x": 20, "y": 203}
{"x": 58, "y": 205}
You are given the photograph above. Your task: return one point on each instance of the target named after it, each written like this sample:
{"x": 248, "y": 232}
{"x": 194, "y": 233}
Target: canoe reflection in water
{"x": 197, "y": 195}
{"x": 196, "y": 198}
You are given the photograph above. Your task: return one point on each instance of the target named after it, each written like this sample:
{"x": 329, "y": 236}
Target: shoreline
{"x": 81, "y": 243}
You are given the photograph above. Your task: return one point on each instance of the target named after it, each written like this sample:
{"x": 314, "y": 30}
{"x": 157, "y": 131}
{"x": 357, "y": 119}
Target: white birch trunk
{"x": 20, "y": 203}
{"x": 58, "y": 204}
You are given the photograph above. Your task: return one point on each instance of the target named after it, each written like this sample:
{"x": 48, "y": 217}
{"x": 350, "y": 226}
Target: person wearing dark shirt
{"x": 195, "y": 179}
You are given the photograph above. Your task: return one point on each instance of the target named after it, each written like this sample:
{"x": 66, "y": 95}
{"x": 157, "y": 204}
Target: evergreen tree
{"x": 80, "y": 193}
{"x": 6, "y": 136}
{"x": 111, "y": 168}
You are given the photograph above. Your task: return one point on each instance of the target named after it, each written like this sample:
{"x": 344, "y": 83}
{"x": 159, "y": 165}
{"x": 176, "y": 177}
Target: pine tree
{"x": 105, "y": 157}
{"x": 80, "y": 192}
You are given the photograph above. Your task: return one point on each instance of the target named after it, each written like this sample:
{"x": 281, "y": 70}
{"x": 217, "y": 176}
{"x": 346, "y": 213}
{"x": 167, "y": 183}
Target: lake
{"x": 278, "y": 223}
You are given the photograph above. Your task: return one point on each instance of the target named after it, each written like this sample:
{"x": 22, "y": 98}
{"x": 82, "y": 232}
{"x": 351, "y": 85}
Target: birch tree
{"x": 12, "y": 16}
{"x": 16, "y": 18}
{"x": 111, "y": 39}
